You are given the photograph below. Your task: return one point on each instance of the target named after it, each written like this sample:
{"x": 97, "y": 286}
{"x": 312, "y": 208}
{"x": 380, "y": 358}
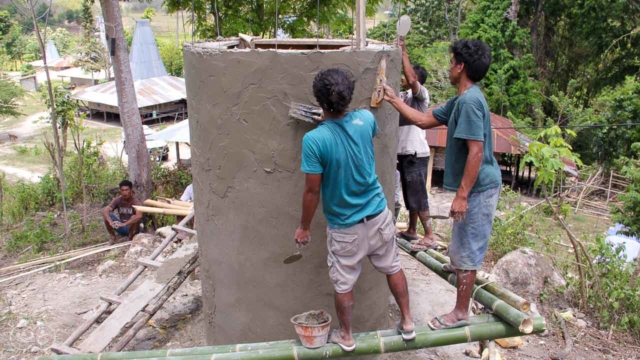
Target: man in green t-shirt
{"x": 470, "y": 169}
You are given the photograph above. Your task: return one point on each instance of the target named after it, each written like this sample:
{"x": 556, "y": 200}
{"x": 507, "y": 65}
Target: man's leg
{"x": 344, "y": 308}
{"x": 464, "y": 286}
{"x": 417, "y": 199}
{"x": 398, "y": 286}
{"x": 111, "y": 231}
{"x": 133, "y": 229}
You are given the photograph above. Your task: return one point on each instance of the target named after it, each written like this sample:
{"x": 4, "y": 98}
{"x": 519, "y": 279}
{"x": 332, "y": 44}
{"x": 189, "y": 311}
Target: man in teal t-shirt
{"x": 470, "y": 169}
{"x": 339, "y": 163}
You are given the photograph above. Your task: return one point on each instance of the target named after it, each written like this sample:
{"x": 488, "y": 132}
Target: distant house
{"x": 78, "y": 77}
{"x": 29, "y": 83}
{"x": 159, "y": 95}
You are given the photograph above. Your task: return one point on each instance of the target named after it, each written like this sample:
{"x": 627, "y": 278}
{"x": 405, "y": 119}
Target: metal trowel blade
{"x": 404, "y": 24}
{"x": 292, "y": 258}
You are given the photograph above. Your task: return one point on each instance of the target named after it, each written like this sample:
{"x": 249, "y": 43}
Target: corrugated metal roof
{"x": 506, "y": 141}
{"x": 77, "y": 72}
{"x": 144, "y": 57}
{"x": 149, "y": 92}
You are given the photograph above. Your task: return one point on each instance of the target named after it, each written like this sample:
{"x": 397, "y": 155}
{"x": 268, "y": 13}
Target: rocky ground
{"x": 42, "y": 309}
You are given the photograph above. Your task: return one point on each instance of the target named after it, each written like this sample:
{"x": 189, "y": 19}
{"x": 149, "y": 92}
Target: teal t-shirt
{"x": 467, "y": 117}
{"x": 342, "y": 151}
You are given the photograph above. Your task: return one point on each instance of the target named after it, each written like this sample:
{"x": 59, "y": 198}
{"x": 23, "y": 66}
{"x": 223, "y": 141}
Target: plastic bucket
{"x": 312, "y": 328}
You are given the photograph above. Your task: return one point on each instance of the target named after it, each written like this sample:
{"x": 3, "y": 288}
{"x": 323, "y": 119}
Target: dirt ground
{"x": 41, "y": 309}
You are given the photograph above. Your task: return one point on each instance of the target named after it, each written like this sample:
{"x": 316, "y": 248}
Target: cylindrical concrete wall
{"x": 248, "y": 188}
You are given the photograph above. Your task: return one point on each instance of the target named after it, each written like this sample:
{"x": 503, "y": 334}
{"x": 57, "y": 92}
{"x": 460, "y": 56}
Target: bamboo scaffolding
{"x": 124, "y": 286}
{"x": 160, "y": 204}
{"x": 500, "y": 307}
{"x": 380, "y": 342}
{"x": 499, "y": 291}
{"x": 152, "y": 210}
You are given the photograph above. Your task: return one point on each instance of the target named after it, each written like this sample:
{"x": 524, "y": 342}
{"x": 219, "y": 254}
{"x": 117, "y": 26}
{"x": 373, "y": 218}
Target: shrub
{"x": 37, "y": 235}
{"x": 512, "y": 233}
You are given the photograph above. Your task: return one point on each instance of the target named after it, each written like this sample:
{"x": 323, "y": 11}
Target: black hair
{"x": 126, "y": 183}
{"x": 475, "y": 55}
{"x": 333, "y": 89}
{"x": 421, "y": 73}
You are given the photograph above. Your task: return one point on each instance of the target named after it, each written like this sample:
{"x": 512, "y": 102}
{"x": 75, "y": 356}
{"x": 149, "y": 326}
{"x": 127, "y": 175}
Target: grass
{"x": 29, "y": 105}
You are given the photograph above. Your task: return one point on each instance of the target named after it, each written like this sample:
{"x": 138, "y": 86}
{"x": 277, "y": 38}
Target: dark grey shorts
{"x": 470, "y": 236}
{"x": 413, "y": 177}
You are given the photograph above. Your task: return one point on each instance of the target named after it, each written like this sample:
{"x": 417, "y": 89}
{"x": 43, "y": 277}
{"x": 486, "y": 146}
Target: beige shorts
{"x": 347, "y": 247}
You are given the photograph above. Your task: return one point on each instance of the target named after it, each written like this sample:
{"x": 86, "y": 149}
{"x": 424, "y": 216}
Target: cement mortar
{"x": 248, "y": 188}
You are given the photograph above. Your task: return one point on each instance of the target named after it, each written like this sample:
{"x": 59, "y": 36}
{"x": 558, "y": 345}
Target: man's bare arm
{"x": 409, "y": 74}
{"x": 472, "y": 167}
{"x": 134, "y": 219}
{"x": 105, "y": 213}
{"x": 310, "y": 199}
{"x": 424, "y": 120}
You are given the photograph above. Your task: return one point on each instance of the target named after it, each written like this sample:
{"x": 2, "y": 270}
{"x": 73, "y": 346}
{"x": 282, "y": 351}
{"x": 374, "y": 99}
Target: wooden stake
{"x": 361, "y": 26}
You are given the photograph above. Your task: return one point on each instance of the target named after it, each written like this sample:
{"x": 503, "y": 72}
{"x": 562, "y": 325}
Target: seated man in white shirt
{"x": 188, "y": 194}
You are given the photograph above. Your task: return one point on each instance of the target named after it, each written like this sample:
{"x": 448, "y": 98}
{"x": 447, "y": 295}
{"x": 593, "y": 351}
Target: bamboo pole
{"x": 159, "y": 204}
{"x": 365, "y": 345}
{"x": 500, "y": 292}
{"x": 49, "y": 259}
{"x": 185, "y": 204}
{"x": 65, "y": 261}
{"x": 124, "y": 286}
{"x": 503, "y": 310}
{"x": 152, "y": 210}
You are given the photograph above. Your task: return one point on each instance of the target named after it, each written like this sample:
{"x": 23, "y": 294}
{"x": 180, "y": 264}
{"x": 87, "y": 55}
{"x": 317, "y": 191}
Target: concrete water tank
{"x": 248, "y": 184}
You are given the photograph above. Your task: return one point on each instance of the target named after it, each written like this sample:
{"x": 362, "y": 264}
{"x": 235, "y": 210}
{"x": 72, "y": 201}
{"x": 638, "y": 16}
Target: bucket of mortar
{"x": 313, "y": 328}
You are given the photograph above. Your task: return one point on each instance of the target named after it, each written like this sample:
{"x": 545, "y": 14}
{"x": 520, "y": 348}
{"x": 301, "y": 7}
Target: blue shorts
{"x": 123, "y": 230}
{"x": 470, "y": 236}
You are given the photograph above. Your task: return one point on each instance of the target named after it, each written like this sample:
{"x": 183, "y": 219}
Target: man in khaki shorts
{"x": 338, "y": 160}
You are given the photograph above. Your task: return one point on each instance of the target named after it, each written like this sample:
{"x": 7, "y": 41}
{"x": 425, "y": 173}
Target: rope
{"x": 473, "y": 295}
{"x": 276, "y": 31}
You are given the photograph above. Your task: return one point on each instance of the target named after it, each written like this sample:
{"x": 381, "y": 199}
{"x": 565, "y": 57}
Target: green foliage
{"x": 564, "y": 210}
{"x": 547, "y": 155}
{"x": 10, "y": 93}
{"x": 149, "y": 14}
{"x": 26, "y": 150}
{"x": 22, "y": 200}
{"x": 629, "y": 213}
{"x": 618, "y": 304}
{"x": 515, "y": 231}
{"x": 296, "y": 18}
{"x": 172, "y": 58}
{"x": 35, "y": 234}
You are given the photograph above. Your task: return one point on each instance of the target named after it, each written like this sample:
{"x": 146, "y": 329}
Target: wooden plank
{"x": 112, "y": 299}
{"x": 378, "y": 92}
{"x": 138, "y": 299}
{"x": 361, "y": 26}
{"x": 432, "y": 155}
{"x": 149, "y": 263}
{"x": 64, "y": 350}
{"x": 184, "y": 230}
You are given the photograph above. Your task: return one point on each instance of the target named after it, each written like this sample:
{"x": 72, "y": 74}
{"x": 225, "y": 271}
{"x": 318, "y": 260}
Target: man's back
{"x": 342, "y": 151}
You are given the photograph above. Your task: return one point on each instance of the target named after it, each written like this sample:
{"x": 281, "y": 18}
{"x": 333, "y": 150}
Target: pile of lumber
{"x": 165, "y": 206}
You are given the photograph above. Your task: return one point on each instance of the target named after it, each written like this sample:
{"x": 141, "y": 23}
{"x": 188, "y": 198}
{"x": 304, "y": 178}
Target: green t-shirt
{"x": 467, "y": 117}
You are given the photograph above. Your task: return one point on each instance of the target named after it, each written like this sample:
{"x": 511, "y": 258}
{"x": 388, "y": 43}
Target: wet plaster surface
{"x": 248, "y": 187}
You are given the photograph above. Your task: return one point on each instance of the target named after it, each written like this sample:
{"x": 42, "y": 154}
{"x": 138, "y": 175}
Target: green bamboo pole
{"x": 503, "y": 310}
{"x": 425, "y": 338}
{"x": 221, "y": 349}
{"x": 498, "y": 290}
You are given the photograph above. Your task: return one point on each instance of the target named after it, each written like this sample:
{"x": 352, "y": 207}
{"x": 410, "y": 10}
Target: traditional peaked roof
{"x": 52, "y": 52}
{"x": 144, "y": 57}
{"x": 149, "y": 92}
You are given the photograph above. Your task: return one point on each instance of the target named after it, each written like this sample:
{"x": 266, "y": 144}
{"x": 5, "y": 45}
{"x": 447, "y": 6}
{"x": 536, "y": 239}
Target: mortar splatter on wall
{"x": 248, "y": 186}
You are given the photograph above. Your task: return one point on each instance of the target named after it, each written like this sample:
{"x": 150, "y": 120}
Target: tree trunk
{"x": 139, "y": 164}
{"x": 446, "y": 16}
{"x": 534, "y": 30}
{"x": 54, "y": 121}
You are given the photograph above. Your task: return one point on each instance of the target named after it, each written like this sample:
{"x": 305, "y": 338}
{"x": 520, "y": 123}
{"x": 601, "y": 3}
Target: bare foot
{"x": 112, "y": 239}
{"x": 409, "y": 236}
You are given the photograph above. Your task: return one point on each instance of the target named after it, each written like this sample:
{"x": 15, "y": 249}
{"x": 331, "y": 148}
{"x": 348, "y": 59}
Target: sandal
{"x": 444, "y": 325}
{"x": 406, "y": 335}
{"x": 404, "y": 235}
{"x": 336, "y": 338}
{"x": 416, "y": 246}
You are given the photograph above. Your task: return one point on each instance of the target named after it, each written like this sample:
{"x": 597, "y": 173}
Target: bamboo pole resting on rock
{"x": 503, "y": 310}
{"x": 499, "y": 291}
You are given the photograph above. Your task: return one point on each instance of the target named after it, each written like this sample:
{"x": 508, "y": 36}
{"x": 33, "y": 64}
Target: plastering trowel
{"x": 307, "y": 113}
{"x": 295, "y": 256}
{"x": 404, "y": 24}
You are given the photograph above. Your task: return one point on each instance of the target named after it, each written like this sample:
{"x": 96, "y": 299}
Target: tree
{"x": 172, "y": 58}
{"x": 629, "y": 213}
{"x": 28, "y": 8}
{"x": 136, "y": 144}
{"x": 93, "y": 55}
{"x": 230, "y": 17}
{"x": 149, "y": 14}
{"x": 9, "y": 94}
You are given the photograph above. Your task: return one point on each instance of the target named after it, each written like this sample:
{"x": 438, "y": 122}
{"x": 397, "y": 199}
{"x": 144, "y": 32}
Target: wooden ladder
{"x": 146, "y": 299}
